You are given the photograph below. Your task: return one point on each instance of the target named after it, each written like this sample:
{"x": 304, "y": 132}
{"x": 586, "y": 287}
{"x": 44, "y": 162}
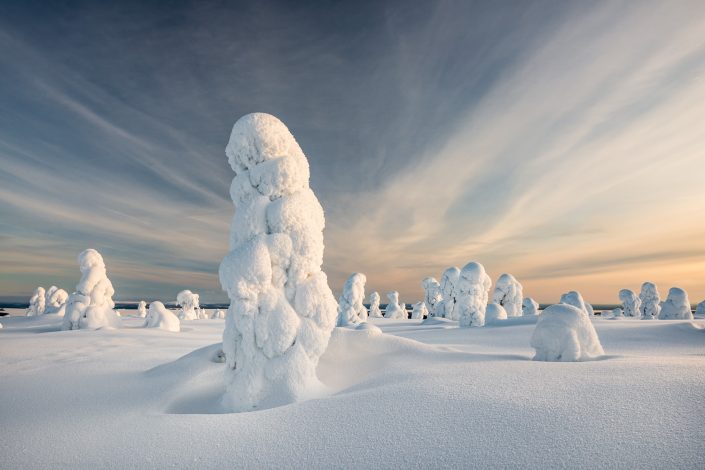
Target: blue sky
{"x": 559, "y": 141}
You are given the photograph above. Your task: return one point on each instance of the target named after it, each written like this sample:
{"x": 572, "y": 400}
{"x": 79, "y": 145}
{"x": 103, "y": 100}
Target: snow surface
{"x": 190, "y": 305}
{"x": 281, "y": 309}
{"x": 630, "y": 303}
{"x": 159, "y": 317}
{"x": 473, "y": 290}
{"x": 393, "y": 310}
{"x": 508, "y": 293}
{"x": 351, "y": 308}
{"x": 565, "y": 333}
{"x": 124, "y": 398}
{"x": 529, "y": 306}
{"x": 650, "y": 301}
{"x": 449, "y": 282}
{"x": 676, "y": 306}
{"x": 375, "y": 311}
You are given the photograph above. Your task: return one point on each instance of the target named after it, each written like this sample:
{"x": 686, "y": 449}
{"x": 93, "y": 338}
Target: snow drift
{"x": 565, "y": 333}
{"x": 473, "y": 289}
{"x": 509, "y": 293}
{"x": 676, "y": 306}
{"x": 282, "y": 311}
{"x": 160, "y": 317}
{"x": 351, "y": 309}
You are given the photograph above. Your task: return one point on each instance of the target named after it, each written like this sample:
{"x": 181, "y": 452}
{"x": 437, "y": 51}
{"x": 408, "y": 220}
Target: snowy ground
{"x": 419, "y": 396}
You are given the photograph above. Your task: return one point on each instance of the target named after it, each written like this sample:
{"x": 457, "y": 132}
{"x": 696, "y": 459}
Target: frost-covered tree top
{"x": 375, "y": 311}
{"x": 91, "y": 305}
{"x": 494, "y": 313}
{"x": 449, "y": 281}
{"x": 394, "y": 310}
{"x": 56, "y": 301}
{"x": 351, "y": 308}
{"x": 676, "y": 306}
{"x": 37, "y": 303}
{"x": 529, "y": 306}
{"x": 565, "y": 333}
{"x": 630, "y": 303}
{"x": 432, "y": 294}
{"x": 281, "y": 311}
{"x": 419, "y": 310}
{"x": 160, "y": 317}
{"x": 508, "y": 293}
{"x": 473, "y": 290}
{"x": 575, "y": 299}
{"x": 650, "y": 301}
{"x": 189, "y": 303}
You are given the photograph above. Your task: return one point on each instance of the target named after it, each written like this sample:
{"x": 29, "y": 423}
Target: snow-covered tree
{"x": 55, "y": 301}
{"x": 419, "y": 310}
{"x": 142, "y": 309}
{"x": 394, "y": 310}
{"x": 617, "y": 312}
{"x": 432, "y": 295}
{"x": 576, "y": 300}
{"x": 473, "y": 290}
{"x": 509, "y": 293}
{"x": 494, "y": 313}
{"x": 37, "y": 303}
{"x": 565, "y": 333}
{"x": 375, "y": 312}
{"x": 91, "y": 305}
{"x": 281, "y": 310}
{"x": 190, "y": 305}
{"x": 446, "y": 307}
{"x": 676, "y": 306}
{"x": 351, "y": 308}
{"x": 630, "y": 303}
{"x": 217, "y": 314}
{"x": 160, "y": 317}
{"x": 650, "y": 301}
{"x": 529, "y": 306}
{"x": 700, "y": 310}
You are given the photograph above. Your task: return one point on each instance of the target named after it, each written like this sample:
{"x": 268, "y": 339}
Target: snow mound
{"x": 37, "y": 302}
{"x": 432, "y": 295}
{"x": 375, "y": 312}
{"x": 529, "y": 306}
{"x": 650, "y": 301}
{"x": 630, "y": 303}
{"x": 509, "y": 293}
{"x": 351, "y": 309}
{"x": 142, "y": 309}
{"x": 419, "y": 311}
{"x": 449, "y": 282}
{"x": 56, "y": 301}
{"x": 495, "y": 313}
{"x": 676, "y": 306}
{"x": 159, "y": 317}
{"x": 394, "y": 310}
{"x": 190, "y": 305}
{"x": 565, "y": 333}
{"x": 91, "y": 305}
{"x": 282, "y": 311}
{"x": 473, "y": 290}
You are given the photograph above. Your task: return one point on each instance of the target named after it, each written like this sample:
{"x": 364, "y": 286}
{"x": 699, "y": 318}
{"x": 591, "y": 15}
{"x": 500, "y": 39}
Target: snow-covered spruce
{"x": 565, "y": 333}
{"x": 394, "y": 310}
{"x": 142, "y": 309}
{"x": 217, "y": 314}
{"x": 617, "y": 312}
{"x": 432, "y": 295}
{"x": 55, "y": 303}
{"x": 576, "y": 300}
{"x": 529, "y": 306}
{"x": 91, "y": 305}
{"x": 449, "y": 282}
{"x": 650, "y": 301}
{"x": 700, "y": 310}
{"x": 494, "y": 313}
{"x": 630, "y": 303}
{"x": 37, "y": 303}
{"x": 509, "y": 293}
{"x": 375, "y": 312}
{"x": 473, "y": 290}
{"x": 190, "y": 305}
{"x": 419, "y": 311}
{"x": 676, "y": 306}
{"x": 351, "y": 308}
{"x": 160, "y": 317}
{"x": 282, "y": 311}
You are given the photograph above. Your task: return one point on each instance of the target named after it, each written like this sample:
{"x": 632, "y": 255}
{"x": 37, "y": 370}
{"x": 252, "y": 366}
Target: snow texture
{"x": 351, "y": 308}
{"x": 449, "y": 282}
{"x": 394, "y": 310}
{"x": 160, "y": 317}
{"x": 91, "y": 305}
{"x": 37, "y": 303}
{"x": 473, "y": 290}
{"x": 676, "y": 306}
{"x": 630, "y": 303}
{"x": 565, "y": 333}
{"x": 650, "y": 301}
{"x": 142, "y": 309}
{"x": 432, "y": 295}
{"x": 495, "y": 313}
{"x": 509, "y": 293}
{"x": 190, "y": 305}
{"x": 282, "y": 311}
{"x": 55, "y": 301}
{"x": 375, "y": 311}
{"x": 419, "y": 311}
{"x": 529, "y": 306}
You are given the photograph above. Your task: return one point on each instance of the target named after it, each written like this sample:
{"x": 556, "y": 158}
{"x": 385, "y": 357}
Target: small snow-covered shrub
{"x": 449, "y": 281}
{"x": 509, "y": 293}
{"x": 160, "y": 317}
{"x": 218, "y": 314}
{"x": 37, "y": 303}
{"x": 91, "y": 305}
{"x": 529, "y": 306}
{"x": 351, "y": 309}
{"x": 190, "y": 305}
{"x": 700, "y": 310}
{"x": 565, "y": 333}
{"x": 473, "y": 290}
{"x": 494, "y": 313}
{"x": 676, "y": 306}
{"x": 142, "y": 309}
{"x": 56, "y": 301}
{"x": 375, "y": 312}
{"x": 432, "y": 295}
{"x": 617, "y": 313}
{"x": 650, "y": 301}
{"x": 630, "y": 303}
{"x": 419, "y": 311}
{"x": 394, "y": 310}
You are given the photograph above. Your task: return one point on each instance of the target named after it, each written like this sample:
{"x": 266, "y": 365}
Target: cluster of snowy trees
{"x": 52, "y": 301}
{"x": 649, "y": 306}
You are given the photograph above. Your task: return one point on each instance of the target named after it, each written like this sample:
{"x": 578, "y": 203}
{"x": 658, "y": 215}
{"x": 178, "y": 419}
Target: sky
{"x": 562, "y": 142}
